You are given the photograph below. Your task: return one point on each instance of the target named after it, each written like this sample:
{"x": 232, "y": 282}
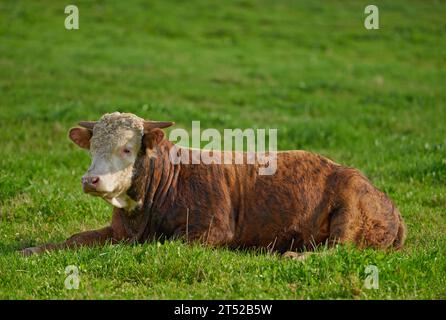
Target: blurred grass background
{"x": 372, "y": 99}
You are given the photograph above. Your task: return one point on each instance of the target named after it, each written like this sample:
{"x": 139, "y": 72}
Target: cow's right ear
{"x": 152, "y": 138}
{"x": 81, "y": 137}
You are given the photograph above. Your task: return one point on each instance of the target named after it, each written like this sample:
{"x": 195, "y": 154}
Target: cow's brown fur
{"x": 308, "y": 201}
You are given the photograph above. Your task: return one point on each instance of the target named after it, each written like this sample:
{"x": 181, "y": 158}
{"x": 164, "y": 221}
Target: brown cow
{"x": 309, "y": 200}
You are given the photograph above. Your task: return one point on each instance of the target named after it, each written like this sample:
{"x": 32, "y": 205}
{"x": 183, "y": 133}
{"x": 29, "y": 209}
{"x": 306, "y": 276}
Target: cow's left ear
{"x": 153, "y": 137}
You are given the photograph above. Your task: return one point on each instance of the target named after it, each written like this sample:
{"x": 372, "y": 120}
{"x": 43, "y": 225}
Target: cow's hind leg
{"x": 366, "y": 217}
{"x": 361, "y": 215}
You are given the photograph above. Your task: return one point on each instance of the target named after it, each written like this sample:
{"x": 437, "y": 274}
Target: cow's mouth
{"x": 95, "y": 192}
{"x": 117, "y": 198}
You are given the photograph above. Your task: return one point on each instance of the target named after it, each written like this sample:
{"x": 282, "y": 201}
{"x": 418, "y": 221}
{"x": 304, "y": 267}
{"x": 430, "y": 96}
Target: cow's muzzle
{"x": 90, "y": 184}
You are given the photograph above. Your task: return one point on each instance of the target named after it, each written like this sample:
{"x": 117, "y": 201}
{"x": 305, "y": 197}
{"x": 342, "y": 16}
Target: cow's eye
{"x": 126, "y": 151}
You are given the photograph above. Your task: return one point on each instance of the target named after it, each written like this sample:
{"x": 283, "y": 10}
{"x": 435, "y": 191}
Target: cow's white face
{"x": 114, "y": 143}
{"x": 113, "y": 156}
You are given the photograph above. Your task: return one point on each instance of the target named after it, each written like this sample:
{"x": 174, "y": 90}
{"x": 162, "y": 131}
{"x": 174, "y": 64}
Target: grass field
{"x": 372, "y": 99}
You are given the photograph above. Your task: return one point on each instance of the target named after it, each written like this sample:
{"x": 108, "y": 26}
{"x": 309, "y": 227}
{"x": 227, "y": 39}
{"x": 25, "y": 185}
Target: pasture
{"x": 370, "y": 99}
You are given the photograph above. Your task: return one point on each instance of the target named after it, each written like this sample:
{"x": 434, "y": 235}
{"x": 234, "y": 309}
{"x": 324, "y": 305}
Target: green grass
{"x": 374, "y": 100}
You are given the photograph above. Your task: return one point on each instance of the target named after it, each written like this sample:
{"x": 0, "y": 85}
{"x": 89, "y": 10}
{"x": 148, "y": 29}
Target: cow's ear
{"x": 81, "y": 137}
{"x": 153, "y": 137}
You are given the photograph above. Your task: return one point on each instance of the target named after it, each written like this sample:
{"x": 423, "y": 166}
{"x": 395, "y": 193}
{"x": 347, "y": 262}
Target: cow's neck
{"x": 153, "y": 185}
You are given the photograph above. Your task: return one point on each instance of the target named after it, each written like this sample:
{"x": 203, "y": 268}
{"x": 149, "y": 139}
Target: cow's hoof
{"x": 30, "y": 251}
{"x": 296, "y": 255}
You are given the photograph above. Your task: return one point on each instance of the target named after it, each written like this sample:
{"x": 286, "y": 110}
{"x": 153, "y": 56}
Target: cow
{"x": 308, "y": 201}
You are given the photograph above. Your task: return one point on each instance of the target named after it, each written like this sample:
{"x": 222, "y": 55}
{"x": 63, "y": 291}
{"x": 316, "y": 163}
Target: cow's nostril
{"x": 94, "y": 180}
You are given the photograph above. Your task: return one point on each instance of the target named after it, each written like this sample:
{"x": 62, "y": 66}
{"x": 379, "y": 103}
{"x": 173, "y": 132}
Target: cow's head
{"x": 115, "y": 141}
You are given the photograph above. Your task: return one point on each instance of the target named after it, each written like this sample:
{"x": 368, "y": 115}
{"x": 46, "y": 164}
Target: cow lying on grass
{"x": 309, "y": 200}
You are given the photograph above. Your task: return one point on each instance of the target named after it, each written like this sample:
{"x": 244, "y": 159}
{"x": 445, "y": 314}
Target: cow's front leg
{"x": 113, "y": 233}
{"x": 87, "y": 238}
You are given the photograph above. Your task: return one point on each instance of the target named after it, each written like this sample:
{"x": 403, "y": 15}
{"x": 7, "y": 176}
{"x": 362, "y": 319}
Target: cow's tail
{"x": 401, "y": 234}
